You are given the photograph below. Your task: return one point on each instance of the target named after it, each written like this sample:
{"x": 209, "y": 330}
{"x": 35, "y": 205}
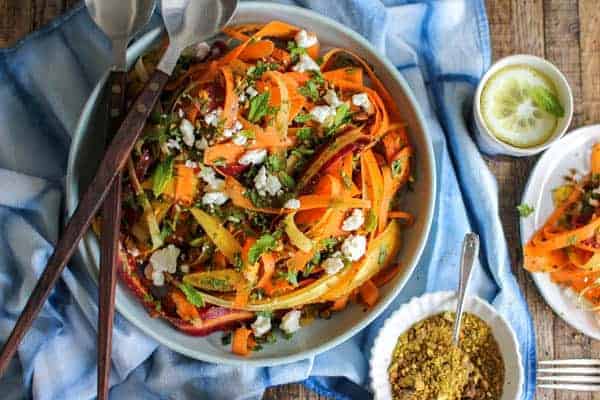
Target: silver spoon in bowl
{"x": 120, "y": 20}
{"x": 187, "y": 22}
{"x": 470, "y": 252}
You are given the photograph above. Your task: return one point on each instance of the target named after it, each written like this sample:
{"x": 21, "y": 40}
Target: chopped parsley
{"x": 290, "y": 276}
{"x": 342, "y": 116}
{"x": 264, "y": 244}
{"x": 304, "y": 133}
{"x": 161, "y": 176}
{"x": 525, "y": 210}
{"x": 275, "y": 163}
{"x": 192, "y": 295}
{"x": 259, "y": 107}
{"x": 226, "y": 339}
{"x": 295, "y": 50}
{"x": 302, "y": 118}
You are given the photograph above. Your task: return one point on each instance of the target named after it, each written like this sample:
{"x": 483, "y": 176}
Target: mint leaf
{"x": 304, "y": 133}
{"x": 302, "y": 118}
{"x": 342, "y": 115}
{"x": 525, "y": 210}
{"x": 547, "y": 101}
{"x": 263, "y": 244}
{"x": 259, "y": 106}
{"x": 192, "y": 295}
{"x": 161, "y": 176}
{"x": 295, "y": 50}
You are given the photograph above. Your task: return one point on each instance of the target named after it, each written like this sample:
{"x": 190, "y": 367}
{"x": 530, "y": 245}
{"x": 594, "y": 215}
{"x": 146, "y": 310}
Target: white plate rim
{"x": 531, "y": 194}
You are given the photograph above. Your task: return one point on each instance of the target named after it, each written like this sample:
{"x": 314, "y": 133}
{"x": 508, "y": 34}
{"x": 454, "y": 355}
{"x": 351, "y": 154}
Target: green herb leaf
{"x": 192, "y": 295}
{"x": 161, "y": 176}
{"x": 295, "y": 50}
{"x": 342, "y": 116}
{"x": 302, "y": 118}
{"x": 547, "y": 100}
{"x": 304, "y": 133}
{"x": 263, "y": 244}
{"x": 525, "y": 210}
{"x": 310, "y": 90}
{"x": 259, "y": 107}
{"x": 275, "y": 163}
{"x": 287, "y": 180}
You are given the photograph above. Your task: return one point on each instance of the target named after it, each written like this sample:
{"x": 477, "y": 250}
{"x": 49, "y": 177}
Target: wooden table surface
{"x": 566, "y": 32}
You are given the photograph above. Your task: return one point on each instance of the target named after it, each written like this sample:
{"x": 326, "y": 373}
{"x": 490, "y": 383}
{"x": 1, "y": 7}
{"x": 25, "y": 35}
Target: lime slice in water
{"x": 509, "y": 111}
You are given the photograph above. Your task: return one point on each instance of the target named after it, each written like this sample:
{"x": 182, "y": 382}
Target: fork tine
{"x": 571, "y": 379}
{"x": 581, "y": 362}
{"x": 574, "y": 387}
{"x": 575, "y": 370}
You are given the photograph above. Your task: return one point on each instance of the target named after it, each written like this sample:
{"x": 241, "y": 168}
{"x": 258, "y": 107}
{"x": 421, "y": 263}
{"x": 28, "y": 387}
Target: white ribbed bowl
{"x": 420, "y": 308}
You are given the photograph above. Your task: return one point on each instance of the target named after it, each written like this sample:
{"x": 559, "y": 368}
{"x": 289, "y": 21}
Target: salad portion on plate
{"x": 560, "y": 216}
{"x": 265, "y": 191}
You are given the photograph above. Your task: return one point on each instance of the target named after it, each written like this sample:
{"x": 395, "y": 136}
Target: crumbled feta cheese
{"x": 191, "y": 164}
{"x": 214, "y": 198}
{"x": 254, "y": 157}
{"x": 240, "y": 140}
{"x": 322, "y": 114}
{"x": 292, "y": 204}
{"x": 305, "y": 39}
{"x": 332, "y": 99}
{"x": 354, "y": 220}
{"x": 305, "y": 63}
{"x": 201, "y": 144}
{"x": 229, "y": 132}
{"x": 290, "y": 322}
{"x": 261, "y": 325}
{"x": 362, "y": 100}
{"x": 212, "y": 118}
{"x": 180, "y": 113}
{"x": 250, "y": 91}
{"x": 208, "y": 175}
{"x": 173, "y": 144}
{"x": 333, "y": 264}
{"x": 202, "y": 50}
{"x": 184, "y": 268}
{"x": 158, "y": 278}
{"x": 594, "y": 202}
{"x": 266, "y": 183}
{"x": 187, "y": 132}
{"x": 354, "y": 247}
{"x": 163, "y": 260}
{"x": 242, "y": 98}
{"x": 134, "y": 251}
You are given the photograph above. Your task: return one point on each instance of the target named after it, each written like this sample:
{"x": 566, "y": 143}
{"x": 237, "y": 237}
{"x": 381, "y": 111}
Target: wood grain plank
{"x": 518, "y": 27}
{"x": 561, "y": 41}
{"x": 589, "y": 105}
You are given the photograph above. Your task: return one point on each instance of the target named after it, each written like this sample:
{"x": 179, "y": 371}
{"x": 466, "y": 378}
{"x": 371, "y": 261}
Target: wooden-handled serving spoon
{"x": 120, "y": 20}
{"x": 187, "y": 22}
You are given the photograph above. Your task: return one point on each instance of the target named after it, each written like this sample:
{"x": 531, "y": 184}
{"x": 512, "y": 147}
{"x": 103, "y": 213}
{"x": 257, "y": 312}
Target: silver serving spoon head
{"x": 192, "y": 21}
{"x": 470, "y": 252}
{"x": 120, "y": 20}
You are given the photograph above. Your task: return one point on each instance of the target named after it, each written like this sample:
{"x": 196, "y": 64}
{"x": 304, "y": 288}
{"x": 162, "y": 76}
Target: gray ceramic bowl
{"x": 321, "y": 335}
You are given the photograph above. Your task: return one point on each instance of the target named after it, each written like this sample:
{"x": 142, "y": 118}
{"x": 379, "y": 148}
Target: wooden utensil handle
{"x": 111, "y": 223}
{"x": 113, "y": 161}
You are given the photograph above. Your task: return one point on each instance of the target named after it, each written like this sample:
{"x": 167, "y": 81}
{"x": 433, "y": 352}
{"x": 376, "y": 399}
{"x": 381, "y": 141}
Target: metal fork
{"x": 577, "y": 375}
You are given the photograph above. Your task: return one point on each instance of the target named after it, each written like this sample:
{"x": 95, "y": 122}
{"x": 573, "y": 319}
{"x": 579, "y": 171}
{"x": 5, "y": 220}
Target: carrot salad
{"x": 568, "y": 245}
{"x": 265, "y": 190}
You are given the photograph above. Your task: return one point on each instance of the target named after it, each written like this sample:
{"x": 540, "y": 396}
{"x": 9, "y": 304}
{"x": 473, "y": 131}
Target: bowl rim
{"x": 558, "y": 78}
{"x": 431, "y": 304}
{"x": 72, "y": 193}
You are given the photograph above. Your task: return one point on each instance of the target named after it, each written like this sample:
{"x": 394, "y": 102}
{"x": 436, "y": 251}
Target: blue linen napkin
{"x": 441, "y": 48}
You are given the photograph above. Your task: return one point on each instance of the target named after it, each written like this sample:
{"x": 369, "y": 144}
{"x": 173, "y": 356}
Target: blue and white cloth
{"x": 441, "y": 47}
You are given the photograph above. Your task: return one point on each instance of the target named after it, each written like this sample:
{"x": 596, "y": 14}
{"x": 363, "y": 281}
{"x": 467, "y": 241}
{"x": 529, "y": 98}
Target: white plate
{"x": 322, "y": 334}
{"x": 571, "y": 152}
{"x": 430, "y": 304}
